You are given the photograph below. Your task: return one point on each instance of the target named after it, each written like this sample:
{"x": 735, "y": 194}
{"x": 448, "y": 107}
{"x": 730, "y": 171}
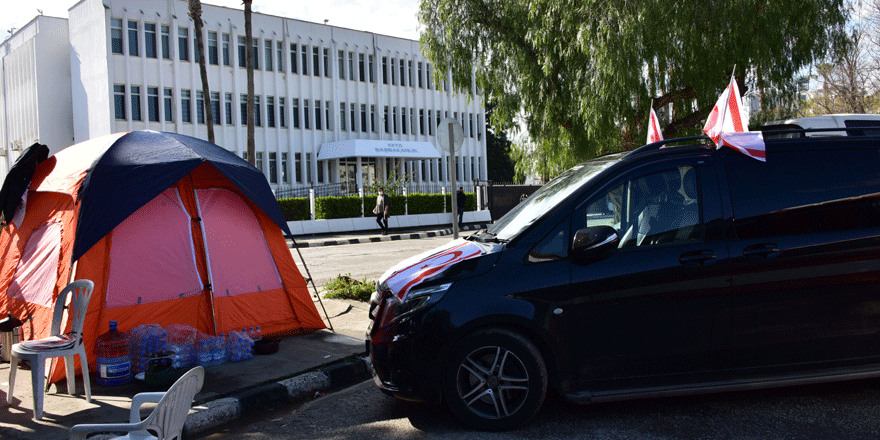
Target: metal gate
{"x": 504, "y": 197}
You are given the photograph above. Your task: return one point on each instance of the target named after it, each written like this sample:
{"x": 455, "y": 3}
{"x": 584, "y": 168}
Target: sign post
{"x": 450, "y": 136}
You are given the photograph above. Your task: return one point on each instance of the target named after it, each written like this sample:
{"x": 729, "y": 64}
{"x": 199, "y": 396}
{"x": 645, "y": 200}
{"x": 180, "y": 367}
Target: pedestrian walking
{"x": 381, "y": 210}
{"x": 459, "y": 200}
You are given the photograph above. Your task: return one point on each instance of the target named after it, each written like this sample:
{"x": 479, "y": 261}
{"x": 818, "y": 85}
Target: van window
{"x": 804, "y": 192}
{"x": 658, "y": 208}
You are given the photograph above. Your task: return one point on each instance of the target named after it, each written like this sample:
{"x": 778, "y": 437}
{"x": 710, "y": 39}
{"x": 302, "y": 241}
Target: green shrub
{"x": 295, "y": 208}
{"x": 346, "y": 287}
{"x": 337, "y": 207}
{"x": 420, "y": 203}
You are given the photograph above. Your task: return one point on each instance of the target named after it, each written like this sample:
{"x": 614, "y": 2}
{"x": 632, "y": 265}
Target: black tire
{"x": 495, "y": 380}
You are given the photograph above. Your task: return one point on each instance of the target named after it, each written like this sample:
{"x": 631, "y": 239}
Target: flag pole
{"x": 724, "y": 110}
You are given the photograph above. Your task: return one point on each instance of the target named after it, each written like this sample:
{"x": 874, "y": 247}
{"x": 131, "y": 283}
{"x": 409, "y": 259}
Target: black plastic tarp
{"x": 19, "y": 177}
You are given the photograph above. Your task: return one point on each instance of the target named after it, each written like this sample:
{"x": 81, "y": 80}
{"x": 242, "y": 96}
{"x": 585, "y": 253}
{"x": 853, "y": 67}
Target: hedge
{"x": 295, "y": 208}
{"x": 337, "y": 207}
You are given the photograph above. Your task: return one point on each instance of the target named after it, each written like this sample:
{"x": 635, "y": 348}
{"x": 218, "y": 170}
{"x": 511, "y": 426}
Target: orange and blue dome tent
{"x": 171, "y": 229}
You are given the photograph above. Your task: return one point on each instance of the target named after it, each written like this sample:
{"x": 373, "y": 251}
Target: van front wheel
{"x": 495, "y": 380}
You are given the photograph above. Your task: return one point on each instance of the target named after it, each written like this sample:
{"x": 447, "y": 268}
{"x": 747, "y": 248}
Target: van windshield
{"x": 548, "y": 196}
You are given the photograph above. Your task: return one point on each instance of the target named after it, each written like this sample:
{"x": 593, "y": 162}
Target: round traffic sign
{"x": 447, "y": 142}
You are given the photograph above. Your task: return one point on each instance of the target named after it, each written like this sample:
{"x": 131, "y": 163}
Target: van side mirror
{"x": 592, "y": 244}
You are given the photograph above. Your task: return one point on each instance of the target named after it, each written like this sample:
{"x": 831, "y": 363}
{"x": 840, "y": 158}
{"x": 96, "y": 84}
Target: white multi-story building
{"x": 332, "y": 104}
{"x": 35, "y": 103}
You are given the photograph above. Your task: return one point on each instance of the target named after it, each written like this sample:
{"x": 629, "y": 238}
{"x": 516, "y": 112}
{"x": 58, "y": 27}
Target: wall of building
{"x": 90, "y": 85}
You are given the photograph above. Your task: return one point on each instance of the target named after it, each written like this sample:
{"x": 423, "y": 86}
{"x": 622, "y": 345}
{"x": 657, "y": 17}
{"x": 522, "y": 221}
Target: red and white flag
{"x": 421, "y": 268}
{"x": 654, "y": 134}
{"x": 727, "y": 118}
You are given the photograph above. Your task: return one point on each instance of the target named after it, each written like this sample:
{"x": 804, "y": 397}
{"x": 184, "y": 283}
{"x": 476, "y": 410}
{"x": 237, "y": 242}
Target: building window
{"x": 393, "y": 72}
{"x": 168, "y": 105}
{"x": 412, "y": 83}
{"x": 242, "y": 109}
{"x": 116, "y": 36}
{"x": 133, "y": 38}
{"x": 327, "y": 62}
{"x": 228, "y": 107}
{"x": 420, "y": 75}
{"x": 215, "y": 108}
{"x": 166, "y": 42}
{"x": 305, "y": 59}
{"x": 373, "y": 118}
{"x": 136, "y": 103}
{"x": 297, "y": 168}
{"x": 438, "y": 118}
{"x": 317, "y": 115}
{"x": 372, "y": 75}
{"x": 402, "y": 74}
{"x": 422, "y": 122}
{"x": 226, "y": 50}
{"x": 309, "y": 167}
{"x": 386, "y": 120}
{"x": 150, "y": 39}
{"x": 279, "y": 52}
{"x": 384, "y": 70}
{"x": 282, "y": 118}
{"x": 320, "y": 172}
{"x": 183, "y": 44}
{"x": 295, "y": 115}
{"x": 341, "y": 64}
{"x": 185, "y": 106}
{"x": 200, "y": 107}
{"x": 471, "y": 117}
{"x": 353, "y": 118}
{"x": 119, "y": 101}
{"x": 364, "y": 118}
{"x": 284, "y": 176}
{"x": 342, "y": 116}
{"x": 292, "y": 58}
{"x": 273, "y": 167}
{"x": 259, "y": 160}
{"x": 428, "y": 75}
{"x": 257, "y": 113}
{"x": 430, "y": 126}
{"x": 394, "y": 118}
{"x": 412, "y": 120}
{"x": 351, "y": 66}
{"x": 403, "y": 120}
{"x": 479, "y": 129}
{"x": 242, "y": 55}
{"x": 327, "y": 124}
{"x": 315, "y": 60}
{"x": 361, "y": 67}
{"x": 267, "y": 44}
{"x": 255, "y": 52}
{"x": 270, "y": 111}
{"x": 213, "y": 58}
{"x": 153, "y": 104}
{"x": 306, "y": 124}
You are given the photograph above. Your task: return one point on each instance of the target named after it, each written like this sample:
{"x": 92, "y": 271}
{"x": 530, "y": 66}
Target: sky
{"x": 396, "y": 18}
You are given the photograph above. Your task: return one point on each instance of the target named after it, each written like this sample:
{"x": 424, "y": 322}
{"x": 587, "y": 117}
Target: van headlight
{"x": 419, "y": 298}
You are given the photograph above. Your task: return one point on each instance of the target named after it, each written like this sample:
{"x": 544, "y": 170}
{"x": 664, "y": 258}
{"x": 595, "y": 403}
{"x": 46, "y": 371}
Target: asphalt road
{"x": 841, "y": 411}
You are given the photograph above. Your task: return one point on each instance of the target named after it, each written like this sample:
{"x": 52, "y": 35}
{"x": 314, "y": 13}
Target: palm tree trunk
{"x": 251, "y": 148}
{"x": 195, "y": 12}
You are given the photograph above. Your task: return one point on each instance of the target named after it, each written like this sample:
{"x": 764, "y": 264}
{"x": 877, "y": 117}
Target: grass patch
{"x": 346, "y": 287}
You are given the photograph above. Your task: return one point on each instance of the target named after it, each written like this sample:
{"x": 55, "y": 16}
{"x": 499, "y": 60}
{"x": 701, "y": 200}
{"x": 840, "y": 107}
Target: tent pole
{"x": 306, "y": 267}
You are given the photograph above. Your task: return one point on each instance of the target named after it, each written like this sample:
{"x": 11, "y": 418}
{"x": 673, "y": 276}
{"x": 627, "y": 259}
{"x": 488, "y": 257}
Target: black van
{"x": 657, "y": 272}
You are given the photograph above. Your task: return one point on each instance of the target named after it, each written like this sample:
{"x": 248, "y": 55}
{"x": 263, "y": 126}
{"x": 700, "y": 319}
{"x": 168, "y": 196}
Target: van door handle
{"x": 697, "y": 258}
{"x": 765, "y": 250}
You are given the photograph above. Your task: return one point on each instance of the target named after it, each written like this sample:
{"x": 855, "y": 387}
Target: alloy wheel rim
{"x": 492, "y": 382}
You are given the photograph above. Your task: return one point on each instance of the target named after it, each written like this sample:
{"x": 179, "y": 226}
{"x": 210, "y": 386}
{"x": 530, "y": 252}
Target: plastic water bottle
{"x": 203, "y": 353}
{"x": 113, "y": 354}
{"x": 219, "y": 350}
{"x": 258, "y": 335}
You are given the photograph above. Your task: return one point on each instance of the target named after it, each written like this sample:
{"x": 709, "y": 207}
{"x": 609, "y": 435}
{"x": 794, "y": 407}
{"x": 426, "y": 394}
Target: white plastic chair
{"x": 166, "y": 420}
{"x": 81, "y": 291}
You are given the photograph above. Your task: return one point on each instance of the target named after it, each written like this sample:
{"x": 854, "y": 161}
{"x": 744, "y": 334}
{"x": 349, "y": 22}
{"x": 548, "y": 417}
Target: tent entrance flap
{"x": 377, "y": 148}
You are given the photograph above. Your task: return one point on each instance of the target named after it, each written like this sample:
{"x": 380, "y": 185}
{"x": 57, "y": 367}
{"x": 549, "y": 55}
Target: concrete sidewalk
{"x": 304, "y": 366}
{"x": 304, "y": 241}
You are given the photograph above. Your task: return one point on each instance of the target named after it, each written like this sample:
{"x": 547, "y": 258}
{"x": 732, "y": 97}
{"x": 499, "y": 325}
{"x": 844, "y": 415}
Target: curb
{"x": 438, "y": 233}
{"x": 300, "y": 388}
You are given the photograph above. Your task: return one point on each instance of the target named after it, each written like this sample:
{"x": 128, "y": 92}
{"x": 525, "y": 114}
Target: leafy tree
{"x": 499, "y": 164}
{"x": 583, "y": 72}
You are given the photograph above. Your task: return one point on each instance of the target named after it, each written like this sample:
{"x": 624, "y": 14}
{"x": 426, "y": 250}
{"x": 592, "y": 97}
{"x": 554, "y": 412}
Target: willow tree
{"x": 582, "y": 73}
